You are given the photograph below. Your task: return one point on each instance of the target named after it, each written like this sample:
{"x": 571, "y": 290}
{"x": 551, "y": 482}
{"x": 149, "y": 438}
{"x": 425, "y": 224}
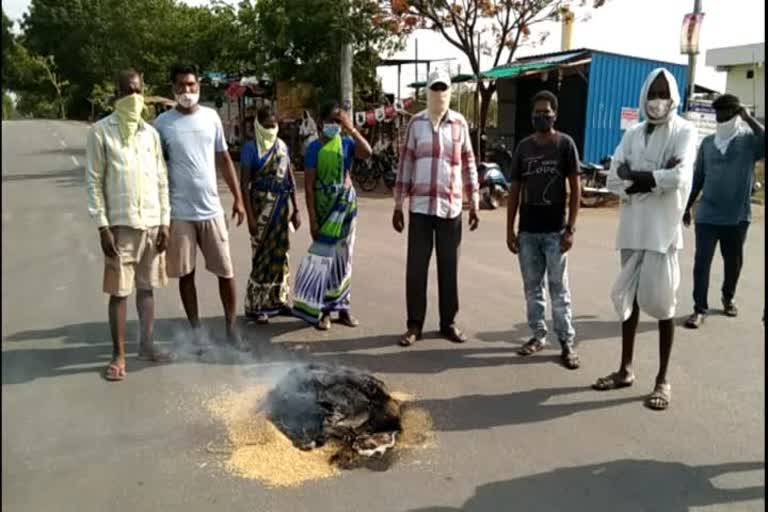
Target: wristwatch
{"x": 570, "y": 229}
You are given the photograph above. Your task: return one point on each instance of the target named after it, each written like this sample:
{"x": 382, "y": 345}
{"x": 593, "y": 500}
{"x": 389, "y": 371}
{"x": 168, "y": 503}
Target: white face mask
{"x": 658, "y": 109}
{"x": 188, "y": 99}
{"x": 726, "y": 130}
{"x": 437, "y": 104}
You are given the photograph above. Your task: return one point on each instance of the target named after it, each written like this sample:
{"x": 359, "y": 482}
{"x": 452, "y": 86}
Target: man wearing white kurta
{"x": 652, "y": 173}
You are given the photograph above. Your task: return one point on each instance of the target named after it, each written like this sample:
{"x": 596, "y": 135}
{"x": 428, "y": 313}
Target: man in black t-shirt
{"x": 541, "y": 166}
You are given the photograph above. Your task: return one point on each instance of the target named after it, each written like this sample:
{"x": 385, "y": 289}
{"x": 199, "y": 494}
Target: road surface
{"x": 511, "y": 433}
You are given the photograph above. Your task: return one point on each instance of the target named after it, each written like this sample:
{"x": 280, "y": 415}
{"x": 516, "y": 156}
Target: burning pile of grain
{"x": 266, "y": 441}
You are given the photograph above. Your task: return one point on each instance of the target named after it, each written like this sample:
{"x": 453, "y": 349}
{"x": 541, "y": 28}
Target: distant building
{"x": 745, "y": 66}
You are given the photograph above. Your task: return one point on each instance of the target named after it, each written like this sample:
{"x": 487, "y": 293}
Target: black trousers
{"x": 424, "y": 233}
{"x": 731, "y": 239}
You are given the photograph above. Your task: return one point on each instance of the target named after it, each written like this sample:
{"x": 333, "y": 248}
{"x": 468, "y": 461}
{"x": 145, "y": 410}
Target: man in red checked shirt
{"x": 437, "y": 171}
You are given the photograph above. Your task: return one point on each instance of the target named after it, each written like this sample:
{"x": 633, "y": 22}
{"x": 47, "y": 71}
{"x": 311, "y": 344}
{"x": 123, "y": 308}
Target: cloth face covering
{"x": 659, "y": 104}
{"x": 128, "y": 110}
{"x": 725, "y": 132}
{"x": 437, "y": 105}
{"x": 265, "y": 137}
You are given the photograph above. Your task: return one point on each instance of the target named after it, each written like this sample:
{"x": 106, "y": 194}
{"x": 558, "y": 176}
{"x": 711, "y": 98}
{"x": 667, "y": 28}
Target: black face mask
{"x": 542, "y": 122}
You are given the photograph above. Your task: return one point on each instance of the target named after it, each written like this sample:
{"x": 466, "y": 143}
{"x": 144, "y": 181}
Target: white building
{"x": 745, "y": 66}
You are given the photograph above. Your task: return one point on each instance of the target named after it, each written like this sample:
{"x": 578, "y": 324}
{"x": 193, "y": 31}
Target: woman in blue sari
{"x": 324, "y": 277}
{"x": 268, "y": 188}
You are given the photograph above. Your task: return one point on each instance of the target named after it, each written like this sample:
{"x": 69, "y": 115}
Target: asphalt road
{"x": 512, "y": 434}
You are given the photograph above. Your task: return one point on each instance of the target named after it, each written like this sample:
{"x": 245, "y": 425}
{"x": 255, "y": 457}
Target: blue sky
{"x": 647, "y": 28}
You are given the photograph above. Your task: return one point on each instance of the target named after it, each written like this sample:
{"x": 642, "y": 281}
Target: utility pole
{"x": 692, "y": 61}
{"x": 416, "y": 70}
{"x": 347, "y": 86}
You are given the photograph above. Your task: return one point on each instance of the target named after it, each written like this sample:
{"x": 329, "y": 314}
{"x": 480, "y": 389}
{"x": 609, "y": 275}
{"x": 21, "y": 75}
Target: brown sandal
{"x": 532, "y": 347}
{"x": 613, "y": 381}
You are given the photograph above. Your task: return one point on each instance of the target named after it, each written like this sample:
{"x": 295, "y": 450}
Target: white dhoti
{"x": 650, "y": 277}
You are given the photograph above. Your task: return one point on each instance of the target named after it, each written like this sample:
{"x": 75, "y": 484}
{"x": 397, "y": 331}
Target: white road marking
{"x": 74, "y": 161}
{"x": 63, "y": 144}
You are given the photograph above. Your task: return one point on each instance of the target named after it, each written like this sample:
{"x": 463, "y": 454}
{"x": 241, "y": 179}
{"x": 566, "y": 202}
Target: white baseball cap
{"x": 439, "y": 76}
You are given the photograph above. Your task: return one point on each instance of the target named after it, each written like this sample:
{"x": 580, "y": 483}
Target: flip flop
{"x": 156, "y": 356}
{"x": 612, "y": 381}
{"x": 114, "y": 372}
{"x": 409, "y": 338}
{"x": 659, "y": 399}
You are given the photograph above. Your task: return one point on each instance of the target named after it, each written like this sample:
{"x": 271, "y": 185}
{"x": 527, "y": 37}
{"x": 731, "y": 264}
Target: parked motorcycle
{"x": 594, "y": 192}
{"x": 493, "y": 175}
{"x": 380, "y": 167}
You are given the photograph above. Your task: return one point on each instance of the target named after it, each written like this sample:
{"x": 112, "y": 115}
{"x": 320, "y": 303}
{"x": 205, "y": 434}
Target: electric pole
{"x": 347, "y": 86}
{"x": 692, "y": 60}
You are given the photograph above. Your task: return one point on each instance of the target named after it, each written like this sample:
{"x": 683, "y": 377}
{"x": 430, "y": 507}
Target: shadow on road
{"x": 478, "y": 412}
{"x": 626, "y": 485}
{"x": 24, "y": 364}
{"x": 59, "y": 151}
{"x": 70, "y": 178}
{"x": 586, "y": 328}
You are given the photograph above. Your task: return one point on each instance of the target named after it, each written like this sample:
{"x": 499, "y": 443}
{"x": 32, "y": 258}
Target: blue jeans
{"x": 540, "y": 256}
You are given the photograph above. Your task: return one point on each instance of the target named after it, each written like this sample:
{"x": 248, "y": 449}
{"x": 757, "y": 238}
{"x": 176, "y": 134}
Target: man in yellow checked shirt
{"x": 127, "y": 184}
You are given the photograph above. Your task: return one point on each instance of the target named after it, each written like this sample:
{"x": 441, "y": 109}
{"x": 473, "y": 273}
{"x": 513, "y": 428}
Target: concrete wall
{"x": 750, "y": 91}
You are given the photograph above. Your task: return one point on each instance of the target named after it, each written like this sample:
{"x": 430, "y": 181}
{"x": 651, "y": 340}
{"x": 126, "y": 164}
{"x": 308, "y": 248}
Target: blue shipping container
{"x": 614, "y": 83}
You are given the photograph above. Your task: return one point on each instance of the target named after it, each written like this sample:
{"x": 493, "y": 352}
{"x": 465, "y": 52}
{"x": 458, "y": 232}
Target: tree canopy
{"x": 68, "y": 51}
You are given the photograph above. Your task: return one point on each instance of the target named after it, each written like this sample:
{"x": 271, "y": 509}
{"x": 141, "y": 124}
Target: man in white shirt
{"x": 652, "y": 173}
{"x": 437, "y": 172}
{"x": 194, "y": 146}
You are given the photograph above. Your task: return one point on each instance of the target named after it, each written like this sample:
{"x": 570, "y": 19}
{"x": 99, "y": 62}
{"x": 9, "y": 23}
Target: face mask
{"x": 188, "y": 99}
{"x": 437, "y": 104}
{"x": 331, "y": 130}
{"x": 265, "y": 137}
{"x": 724, "y": 132}
{"x": 128, "y": 110}
{"x": 543, "y": 122}
{"x": 658, "y": 108}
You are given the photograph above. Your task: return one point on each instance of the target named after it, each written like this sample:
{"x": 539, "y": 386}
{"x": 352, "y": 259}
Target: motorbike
{"x": 493, "y": 175}
{"x": 593, "y": 178}
{"x": 380, "y": 167}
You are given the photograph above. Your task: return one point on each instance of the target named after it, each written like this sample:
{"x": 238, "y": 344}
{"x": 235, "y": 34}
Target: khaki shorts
{"x": 212, "y": 237}
{"x": 138, "y": 263}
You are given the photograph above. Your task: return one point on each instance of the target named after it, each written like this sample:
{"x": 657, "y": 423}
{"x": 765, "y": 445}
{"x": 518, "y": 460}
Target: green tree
{"x": 469, "y": 25}
{"x": 301, "y": 40}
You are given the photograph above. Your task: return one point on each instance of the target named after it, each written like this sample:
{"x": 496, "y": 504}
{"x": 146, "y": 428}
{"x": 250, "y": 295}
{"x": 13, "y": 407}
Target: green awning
{"x": 512, "y": 70}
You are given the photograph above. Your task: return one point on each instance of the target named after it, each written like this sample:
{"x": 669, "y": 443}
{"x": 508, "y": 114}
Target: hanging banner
{"x": 689, "y": 35}
{"x": 370, "y": 118}
{"x": 379, "y": 113}
{"x": 360, "y": 118}
{"x": 390, "y": 112}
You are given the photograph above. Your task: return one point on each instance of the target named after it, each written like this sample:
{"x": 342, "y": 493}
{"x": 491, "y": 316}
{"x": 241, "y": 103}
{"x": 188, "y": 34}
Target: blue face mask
{"x": 330, "y": 130}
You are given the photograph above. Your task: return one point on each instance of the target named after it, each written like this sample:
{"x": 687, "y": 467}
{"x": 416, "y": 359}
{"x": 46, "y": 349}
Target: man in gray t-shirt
{"x": 194, "y": 146}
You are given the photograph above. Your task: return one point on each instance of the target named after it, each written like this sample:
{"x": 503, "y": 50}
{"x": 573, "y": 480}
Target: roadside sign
{"x": 629, "y": 117}
{"x": 702, "y": 115}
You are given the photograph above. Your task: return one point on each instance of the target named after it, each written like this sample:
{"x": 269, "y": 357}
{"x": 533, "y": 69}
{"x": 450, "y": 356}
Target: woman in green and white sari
{"x": 325, "y": 274}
